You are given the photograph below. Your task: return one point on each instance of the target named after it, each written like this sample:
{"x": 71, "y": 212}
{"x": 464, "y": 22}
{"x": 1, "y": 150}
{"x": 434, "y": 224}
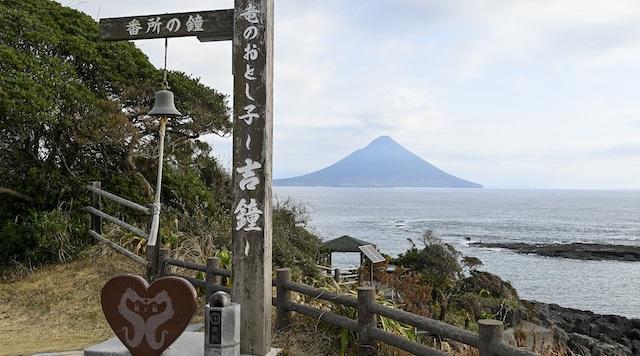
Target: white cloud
{"x": 504, "y": 92}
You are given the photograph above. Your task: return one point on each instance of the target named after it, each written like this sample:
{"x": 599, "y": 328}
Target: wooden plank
{"x": 437, "y": 327}
{"x": 117, "y": 199}
{"x": 194, "y": 281}
{"x": 214, "y": 25}
{"x": 318, "y": 293}
{"x": 252, "y": 150}
{"x": 117, "y": 221}
{"x": 323, "y": 315}
{"x": 186, "y": 264}
{"x": 196, "y": 267}
{"x": 118, "y": 248}
{"x": 404, "y": 344}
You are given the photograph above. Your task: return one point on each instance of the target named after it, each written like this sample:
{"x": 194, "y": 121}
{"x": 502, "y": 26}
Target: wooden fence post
{"x": 96, "y": 202}
{"x": 211, "y": 278}
{"x": 490, "y": 332}
{"x": 283, "y": 276}
{"x": 366, "y": 321}
{"x": 336, "y": 275}
{"x": 162, "y": 266}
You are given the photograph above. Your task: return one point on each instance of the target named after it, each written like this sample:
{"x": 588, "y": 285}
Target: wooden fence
{"x": 489, "y": 340}
{"x": 342, "y": 276}
{"x": 97, "y": 216}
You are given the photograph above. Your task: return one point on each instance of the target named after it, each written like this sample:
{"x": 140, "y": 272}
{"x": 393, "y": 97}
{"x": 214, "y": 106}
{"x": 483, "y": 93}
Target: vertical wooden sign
{"x": 252, "y": 150}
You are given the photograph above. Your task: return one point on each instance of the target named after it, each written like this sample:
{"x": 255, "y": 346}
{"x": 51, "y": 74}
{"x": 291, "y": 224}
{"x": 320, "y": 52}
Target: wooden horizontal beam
{"x": 214, "y": 25}
{"x": 119, "y": 248}
{"x": 323, "y": 315}
{"x": 119, "y": 200}
{"x": 318, "y": 293}
{"x": 437, "y": 327}
{"x": 117, "y": 221}
{"x": 403, "y": 343}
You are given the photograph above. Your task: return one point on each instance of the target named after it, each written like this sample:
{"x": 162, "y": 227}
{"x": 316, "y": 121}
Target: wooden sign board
{"x": 250, "y": 26}
{"x": 148, "y": 318}
{"x": 252, "y": 150}
{"x": 206, "y": 25}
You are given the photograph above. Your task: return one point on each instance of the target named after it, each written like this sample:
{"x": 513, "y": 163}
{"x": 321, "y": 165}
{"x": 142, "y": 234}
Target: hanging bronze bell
{"x": 164, "y": 105}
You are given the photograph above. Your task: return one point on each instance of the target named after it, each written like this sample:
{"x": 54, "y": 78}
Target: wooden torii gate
{"x": 250, "y": 26}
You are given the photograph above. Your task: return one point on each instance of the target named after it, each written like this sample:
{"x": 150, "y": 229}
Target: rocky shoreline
{"x": 587, "y": 333}
{"x": 576, "y": 250}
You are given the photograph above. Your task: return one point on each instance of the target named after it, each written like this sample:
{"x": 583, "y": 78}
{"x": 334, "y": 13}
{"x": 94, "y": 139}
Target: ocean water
{"x": 388, "y": 217}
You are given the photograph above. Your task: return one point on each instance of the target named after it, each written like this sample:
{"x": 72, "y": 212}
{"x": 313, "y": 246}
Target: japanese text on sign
{"x": 249, "y": 211}
{"x": 155, "y": 25}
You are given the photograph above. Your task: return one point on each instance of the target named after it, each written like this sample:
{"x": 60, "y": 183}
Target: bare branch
{"x": 16, "y": 194}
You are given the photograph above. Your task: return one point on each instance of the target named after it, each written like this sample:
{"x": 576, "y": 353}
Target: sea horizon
{"x": 389, "y": 217}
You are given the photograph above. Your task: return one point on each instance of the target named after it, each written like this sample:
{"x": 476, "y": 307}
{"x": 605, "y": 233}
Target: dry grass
{"x": 305, "y": 337}
{"x": 57, "y": 307}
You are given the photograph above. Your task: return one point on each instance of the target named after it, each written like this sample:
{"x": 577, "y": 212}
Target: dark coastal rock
{"x": 485, "y": 281}
{"x": 576, "y": 250}
{"x": 588, "y": 333}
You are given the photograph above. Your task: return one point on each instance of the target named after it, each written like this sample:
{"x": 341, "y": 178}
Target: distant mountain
{"x": 382, "y": 163}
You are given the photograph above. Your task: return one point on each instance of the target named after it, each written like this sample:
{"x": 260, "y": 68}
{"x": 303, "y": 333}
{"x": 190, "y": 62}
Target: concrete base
{"x": 190, "y": 343}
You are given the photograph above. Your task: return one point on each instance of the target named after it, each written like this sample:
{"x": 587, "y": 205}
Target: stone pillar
{"x": 222, "y": 326}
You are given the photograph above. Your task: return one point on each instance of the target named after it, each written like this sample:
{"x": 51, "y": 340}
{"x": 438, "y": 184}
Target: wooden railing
{"x": 489, "y": 340}
{"x": 97, "y": 215}
{"x": 212, "y": 271}
{"x": 157, "y": 260}
{"x": 342, "y": 276}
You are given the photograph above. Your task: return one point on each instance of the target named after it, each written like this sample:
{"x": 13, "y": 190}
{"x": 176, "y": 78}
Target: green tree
{"x": 439, "y": 266}
{"x": 72, "y": 109}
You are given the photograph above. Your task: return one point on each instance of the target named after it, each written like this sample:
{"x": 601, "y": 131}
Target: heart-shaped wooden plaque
{"x": 148, "y": 318}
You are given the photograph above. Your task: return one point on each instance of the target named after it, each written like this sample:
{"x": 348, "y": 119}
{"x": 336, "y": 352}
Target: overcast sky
{"x": 507, "y": 93}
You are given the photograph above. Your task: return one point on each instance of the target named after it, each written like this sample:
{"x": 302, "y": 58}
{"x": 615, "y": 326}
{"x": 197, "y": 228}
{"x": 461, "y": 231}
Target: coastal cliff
{"x": 587, "y": 333}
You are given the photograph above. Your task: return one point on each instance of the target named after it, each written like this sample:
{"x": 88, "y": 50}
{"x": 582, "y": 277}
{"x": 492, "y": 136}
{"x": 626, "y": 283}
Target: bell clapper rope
{"x": 155, "y": 220}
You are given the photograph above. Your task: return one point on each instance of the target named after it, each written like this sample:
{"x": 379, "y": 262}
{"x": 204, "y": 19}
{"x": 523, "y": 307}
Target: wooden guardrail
{"x": 342, "y": 276}
{"x": 97, "y": 216}
{"x": 157, "y": 260}
{"x": 212, "y": 271}
{"x": 488, "y": 341}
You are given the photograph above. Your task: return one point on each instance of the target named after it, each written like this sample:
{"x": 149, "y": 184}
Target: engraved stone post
{"x": 252, "y": 141}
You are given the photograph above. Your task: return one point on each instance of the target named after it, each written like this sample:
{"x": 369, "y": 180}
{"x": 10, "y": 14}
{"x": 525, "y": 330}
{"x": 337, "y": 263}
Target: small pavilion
{"x": 344, "y": 244}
